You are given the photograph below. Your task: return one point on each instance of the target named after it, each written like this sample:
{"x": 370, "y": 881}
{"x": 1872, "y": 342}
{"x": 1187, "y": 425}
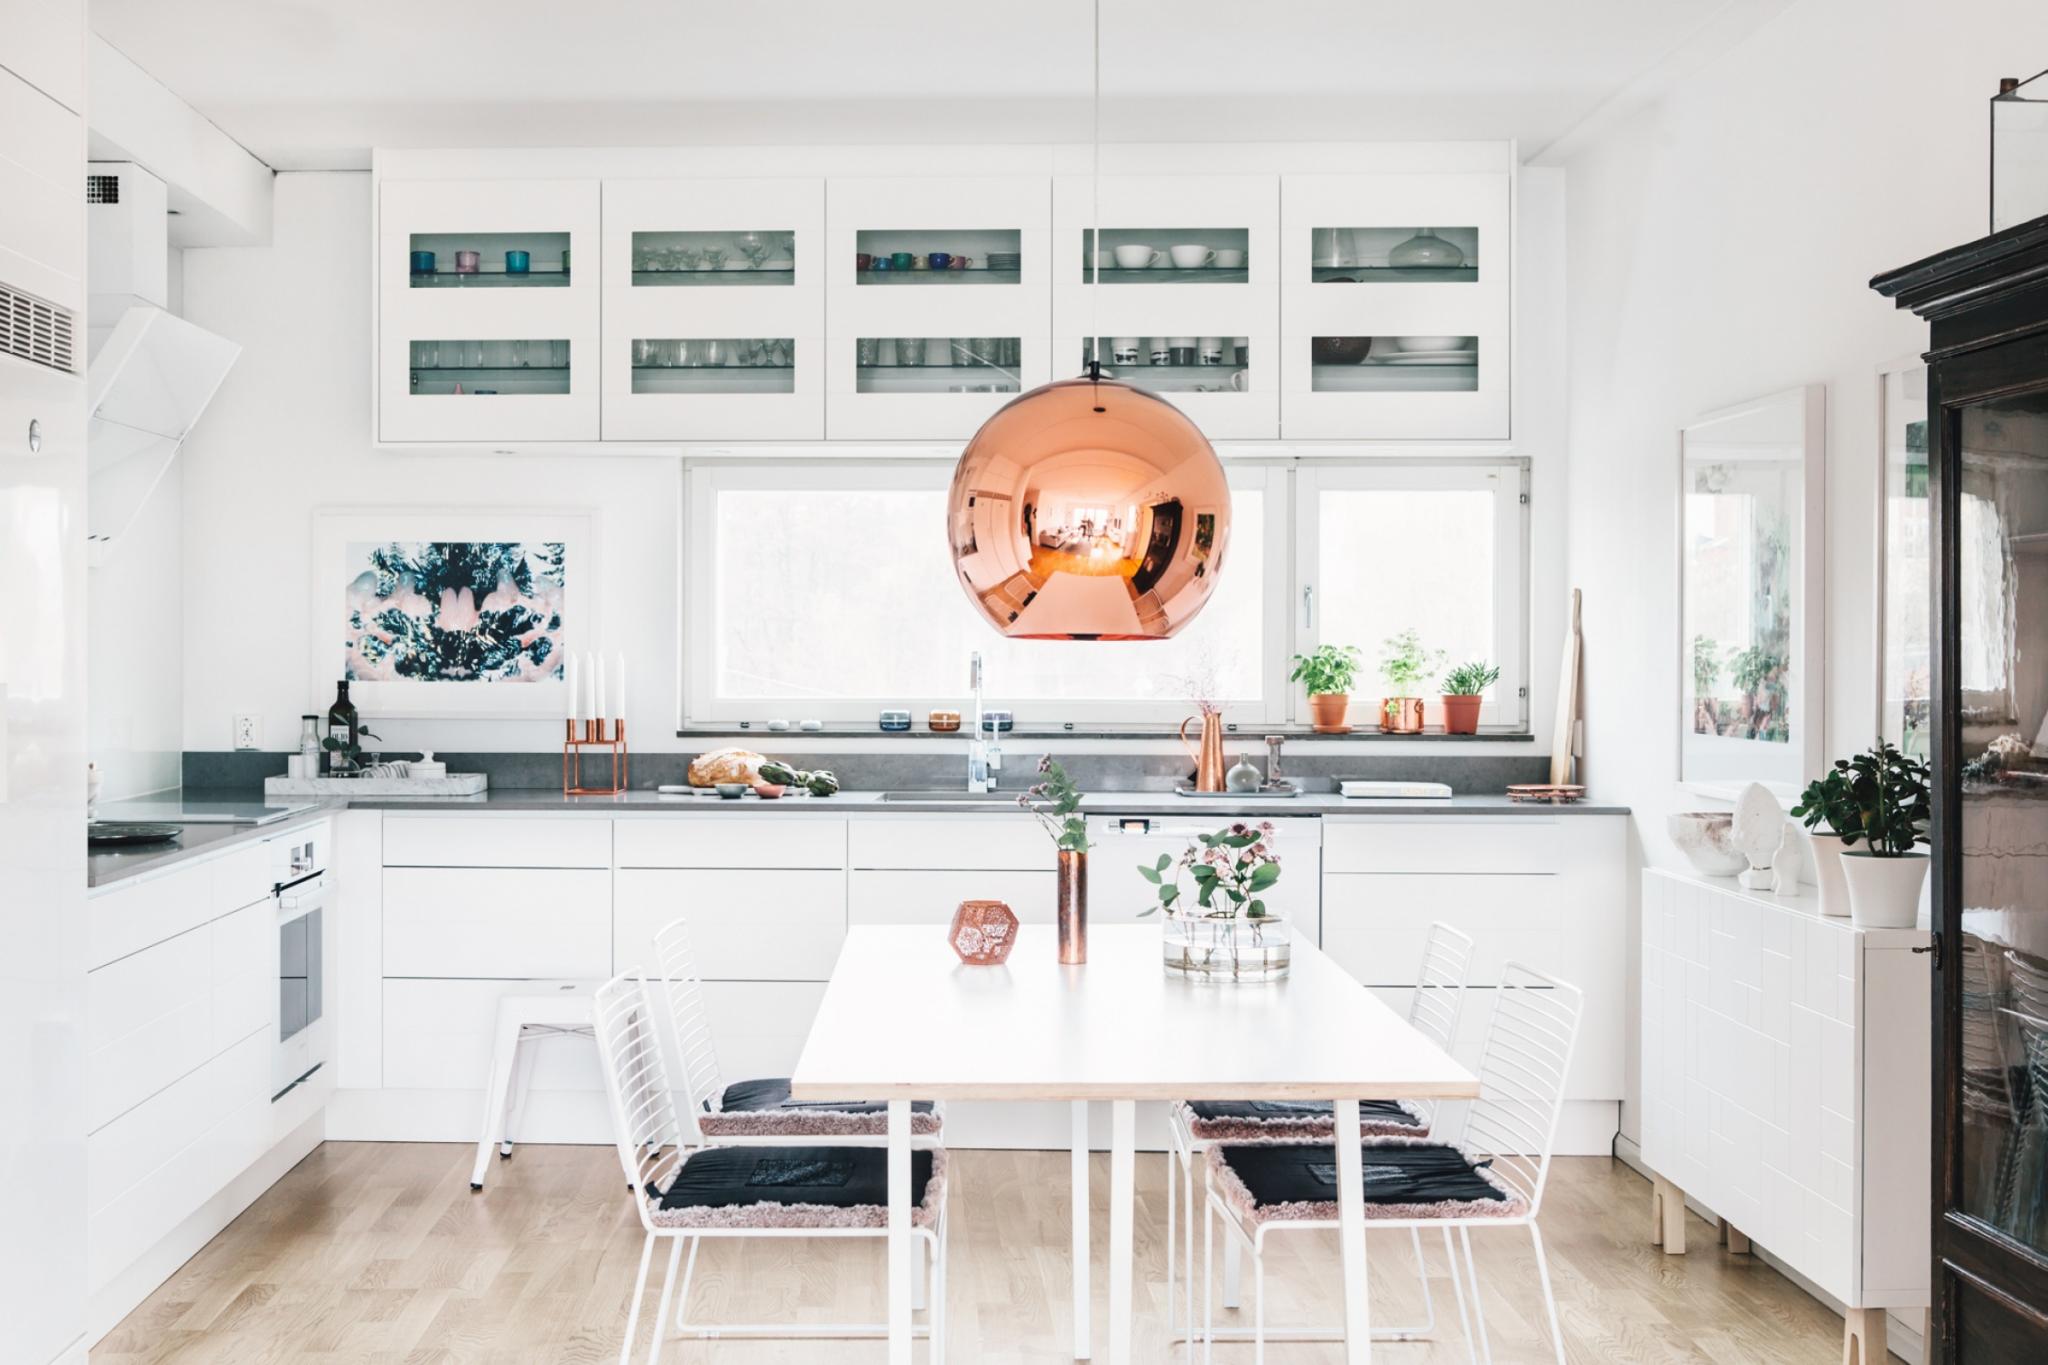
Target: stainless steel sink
{"x": 950, "y": 794}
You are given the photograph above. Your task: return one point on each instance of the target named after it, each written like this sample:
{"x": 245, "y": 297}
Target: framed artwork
{"x": 1752, "y": 482}
{"x": 1905, "y": 569}
{"x": 449, "y": 612}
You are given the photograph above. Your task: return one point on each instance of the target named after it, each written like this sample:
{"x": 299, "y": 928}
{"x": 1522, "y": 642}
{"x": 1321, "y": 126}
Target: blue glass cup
{"x": 518, "y": 262}
{"x": 940, "y": 259}
{"x": 422, "y": 262}
{"x": 884, "y": 263}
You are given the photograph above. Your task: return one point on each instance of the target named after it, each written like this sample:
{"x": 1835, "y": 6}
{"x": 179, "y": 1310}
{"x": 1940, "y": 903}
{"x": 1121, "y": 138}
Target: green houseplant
{"x": 1229, "y": 933}
{"x": 1463, "y": 695}
{"x": 1889, "y": 792}
{"x": 1327, "y": 673}
{"x": 1404, "y": 665}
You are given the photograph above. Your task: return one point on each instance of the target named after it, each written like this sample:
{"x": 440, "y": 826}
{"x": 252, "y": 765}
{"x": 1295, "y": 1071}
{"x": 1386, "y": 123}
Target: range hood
{"x": 152, "y": 373}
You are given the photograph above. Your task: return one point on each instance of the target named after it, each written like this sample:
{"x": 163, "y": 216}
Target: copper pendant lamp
{"x": 1087, "y": 509}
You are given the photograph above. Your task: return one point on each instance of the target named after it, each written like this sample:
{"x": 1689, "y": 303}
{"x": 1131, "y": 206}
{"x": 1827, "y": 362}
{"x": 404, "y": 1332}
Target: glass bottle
{"x": 309, "y": 745}
{"x": 342, "y": 727}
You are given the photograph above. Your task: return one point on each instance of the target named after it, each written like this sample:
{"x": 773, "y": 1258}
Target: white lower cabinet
{"x": 776, "y": 924}
{"x": 899, "y": 896}
{"x": 497, "y": 922}
{"x": 438, "y": 1035}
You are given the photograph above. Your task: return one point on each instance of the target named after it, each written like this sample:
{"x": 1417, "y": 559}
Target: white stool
{"x": 524, "y": 1019}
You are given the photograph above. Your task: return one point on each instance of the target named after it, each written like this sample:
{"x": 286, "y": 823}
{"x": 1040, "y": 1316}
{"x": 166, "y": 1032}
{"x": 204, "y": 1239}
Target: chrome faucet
{"x": 984, "y": 755}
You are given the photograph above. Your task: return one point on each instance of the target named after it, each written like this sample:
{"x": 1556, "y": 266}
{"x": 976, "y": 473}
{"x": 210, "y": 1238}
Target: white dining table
{"x": 903, "y": 1019}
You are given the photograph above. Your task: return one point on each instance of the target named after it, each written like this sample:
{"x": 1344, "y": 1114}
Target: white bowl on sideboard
{"x": 1707, "y": 839}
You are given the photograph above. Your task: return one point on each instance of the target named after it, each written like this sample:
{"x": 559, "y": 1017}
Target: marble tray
{"x": 454, "y": 784}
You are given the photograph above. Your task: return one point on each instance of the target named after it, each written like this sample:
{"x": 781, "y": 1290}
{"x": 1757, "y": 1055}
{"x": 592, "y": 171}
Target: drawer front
{"x": 496, "y": 841}
{"x": 759, "y": 1027}
{"x": 149, "y": 1022}
{"x": 440, "y": 1035}
{"x": 735, "y": 841}
{"x": 1375, "y": 926}
{"x": 134, "y": 916}
{"x": 496, "y": 923}
{"x": 776, "y": 925}
{"x": 1446, "y": 843}
{"x": 244, "y": 974}
{"x": 951, "y": 842}
{"x": 241, "y": 878}
{"x": 932, "y": 897}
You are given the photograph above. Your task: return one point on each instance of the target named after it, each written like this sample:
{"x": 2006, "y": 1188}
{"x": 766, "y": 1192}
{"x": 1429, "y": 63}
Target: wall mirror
{"x": 1751, "y": 509}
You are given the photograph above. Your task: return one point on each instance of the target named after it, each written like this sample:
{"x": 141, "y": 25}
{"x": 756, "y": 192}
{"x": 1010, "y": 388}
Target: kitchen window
{"x": 820, "y": 589}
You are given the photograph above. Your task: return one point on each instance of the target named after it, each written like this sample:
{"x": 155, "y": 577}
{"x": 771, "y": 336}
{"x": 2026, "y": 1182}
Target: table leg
{"x": 900, "y": 1269}
{"x": 1083, "y": 1299}
{"x": 1351, "y": 1235}
{"x": 1123, "y": 1160}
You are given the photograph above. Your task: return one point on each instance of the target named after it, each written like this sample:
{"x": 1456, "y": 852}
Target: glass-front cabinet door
{"x": 1397, "y": 300}
{"x": 936, "y": 303}
{"x": 486, "y": 328}
{"x": 714, "y": 310}
{"x": 1179, "y": 292}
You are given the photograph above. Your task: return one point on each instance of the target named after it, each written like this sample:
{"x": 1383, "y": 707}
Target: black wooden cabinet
{"x": 1987, "y": 404}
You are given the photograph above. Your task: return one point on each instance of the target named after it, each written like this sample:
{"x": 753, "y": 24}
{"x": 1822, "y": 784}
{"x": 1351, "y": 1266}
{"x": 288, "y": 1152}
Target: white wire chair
{"x": 1435, "y": 1012}
{"x": 1509, "y": 1133}
{"x": 653, "y": 1145}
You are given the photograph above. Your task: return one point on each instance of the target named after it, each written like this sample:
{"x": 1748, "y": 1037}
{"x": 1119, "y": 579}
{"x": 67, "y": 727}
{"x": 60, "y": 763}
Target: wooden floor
{"x": 375, "y": 1252}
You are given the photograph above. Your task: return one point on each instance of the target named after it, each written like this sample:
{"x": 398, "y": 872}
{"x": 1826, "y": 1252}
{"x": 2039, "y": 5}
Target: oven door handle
{"x": 303, "y": 898}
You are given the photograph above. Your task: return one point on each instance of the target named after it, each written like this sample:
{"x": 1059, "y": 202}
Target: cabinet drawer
{"x": 941, "y": 842}
{"x": 150, "y": 910}
{"x": 241, "y": 877}
{"x": 148, "y": 1022}
{"x": 1450, "y": 843}
{"x": 932, "y": 897}
{"x": 739, "y": 841}
{"x": 1375, "y": 925}
{"x": 438, "y": 1035}
{"x": 538, "y": 922}
{"x": 496, "y": 841}
{"x": 775, "y": 925}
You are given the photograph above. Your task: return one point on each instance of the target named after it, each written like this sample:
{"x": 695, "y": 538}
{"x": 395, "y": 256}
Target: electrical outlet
{"x": 248, "y": 731}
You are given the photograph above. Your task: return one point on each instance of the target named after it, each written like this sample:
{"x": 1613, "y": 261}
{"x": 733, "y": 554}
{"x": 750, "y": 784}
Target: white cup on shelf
{"x": 1191, "y": 257}
{"x": 1136, "y": 257}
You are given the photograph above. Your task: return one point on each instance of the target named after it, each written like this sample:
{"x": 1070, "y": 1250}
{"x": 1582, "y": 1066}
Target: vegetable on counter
{"x": 819, "y": 783}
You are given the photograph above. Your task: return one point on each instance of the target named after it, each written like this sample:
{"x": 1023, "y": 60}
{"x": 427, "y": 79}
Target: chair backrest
{"x": 695, "y": 1051}
{"x": 1529, "y": 1046}
{"x": 1439, "y": 1001}
{"x": 636, "y": 1082}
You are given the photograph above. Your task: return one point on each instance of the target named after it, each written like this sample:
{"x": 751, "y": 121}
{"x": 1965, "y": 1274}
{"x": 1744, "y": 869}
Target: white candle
{"x": 569, "y": 676}
{"x": 598, "y": 696}
{"x": 619, "y": 709}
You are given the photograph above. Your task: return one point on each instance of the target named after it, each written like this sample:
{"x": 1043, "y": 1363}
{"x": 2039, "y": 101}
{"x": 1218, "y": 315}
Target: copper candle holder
{"x": 578, "y": 735}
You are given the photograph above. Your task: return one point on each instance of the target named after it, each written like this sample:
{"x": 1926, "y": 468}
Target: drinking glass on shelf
{"x": 864, "y": 349}
{"x": 682, "y": 353}
{"x": 963, "y": 350}
{"x": 558, "y": 353}
{"x": 645, "y": 350}
{"x": 683, "y": 258}
{"x": 473, "y": 355}
{"x": 910, "y": 350}
{"x": 754, "y": 247}
{"x": 714, "y": 258}
{"x": 424, "y": 354}
{"x": 779, "y": 354}
{"x": 713, "y": 352}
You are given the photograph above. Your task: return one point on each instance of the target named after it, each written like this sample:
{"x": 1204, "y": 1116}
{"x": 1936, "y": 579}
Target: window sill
{"x": 850, "y": 730}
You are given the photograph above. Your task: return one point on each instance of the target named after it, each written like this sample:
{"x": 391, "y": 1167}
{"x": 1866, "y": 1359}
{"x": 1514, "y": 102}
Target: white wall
{"x": 1721, "y": 244}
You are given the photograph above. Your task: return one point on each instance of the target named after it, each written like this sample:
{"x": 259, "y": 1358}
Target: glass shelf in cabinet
{"x": 490, "y": 369}
{"x": 496, "y": 279}
{"x": 974, "y": 274}
{"x": 1392, "y": 274}
{"x": 702, "y": 277}
{"x": 1206, "y": 274}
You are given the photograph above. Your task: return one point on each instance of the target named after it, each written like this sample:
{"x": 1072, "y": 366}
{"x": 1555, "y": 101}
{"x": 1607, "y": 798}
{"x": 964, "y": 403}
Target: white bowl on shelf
{"x": 1707, "y": 839}
{"x": 1435, "y": 343}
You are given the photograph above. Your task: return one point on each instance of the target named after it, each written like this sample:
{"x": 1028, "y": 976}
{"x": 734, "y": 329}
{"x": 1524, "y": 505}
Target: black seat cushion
{"x": 763, "y": 1108}
{"x": 1404, "y": 1178}
{"x": 1260, "y": 1120}
{"x": 795, "y": 1187}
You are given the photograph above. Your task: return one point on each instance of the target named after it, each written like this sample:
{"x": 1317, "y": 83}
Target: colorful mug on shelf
{"x": 940, "y": 260}
{"x": 1124, "y": 350}
{"x": 961, "y": 263}
{"x": 861, "y": 260}
{"x": 920, "y": 263}
{"x": 422, "y": 262}
{"x": 901, "y": 260}
{"x": 518, "y": 263}
{"x": 466, "y": 262}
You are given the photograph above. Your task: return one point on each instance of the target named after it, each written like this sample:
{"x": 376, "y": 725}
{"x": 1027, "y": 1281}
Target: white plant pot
{"x": 1884, "y": 893}
{"x": 1827, "y": 872}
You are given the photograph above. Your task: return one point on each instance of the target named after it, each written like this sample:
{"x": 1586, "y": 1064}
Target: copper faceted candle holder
{"x": 578, "y": 735}
{"x": 983, "y": 933}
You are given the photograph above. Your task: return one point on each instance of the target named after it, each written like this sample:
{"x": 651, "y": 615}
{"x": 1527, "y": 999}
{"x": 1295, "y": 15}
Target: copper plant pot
{"x": 1461, "y": 715}
{"x": 1401, "y": 715}
{"x": 1073, "y": 908}
{"x": 1326, "y": 712}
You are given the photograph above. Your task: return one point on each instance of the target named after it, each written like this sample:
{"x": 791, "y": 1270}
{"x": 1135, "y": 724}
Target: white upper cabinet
{"x": 714, "y": 310}
{"x": 487, "y": 310}
{"x": 955, "y": 324}
{"x": 1183, "y": 298}
{"x": 1397, "y": 301}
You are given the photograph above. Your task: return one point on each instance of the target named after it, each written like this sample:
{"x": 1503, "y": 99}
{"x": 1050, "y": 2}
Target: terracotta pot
{"x": 1326, "y": 712}
{"x": 1401, "y": 715}
{"x": 1461, "y": 714}
{"x": 1884, "y": 893}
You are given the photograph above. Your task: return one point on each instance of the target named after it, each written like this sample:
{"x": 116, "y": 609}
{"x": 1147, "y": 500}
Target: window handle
{"x": 1308, "y": 605}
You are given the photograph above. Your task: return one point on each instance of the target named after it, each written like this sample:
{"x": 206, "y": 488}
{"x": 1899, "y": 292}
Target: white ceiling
{"x": 316, "y": 85}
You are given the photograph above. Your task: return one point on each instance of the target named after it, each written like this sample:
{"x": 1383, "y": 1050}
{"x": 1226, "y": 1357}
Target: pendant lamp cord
{"x": 1095, "y": 211}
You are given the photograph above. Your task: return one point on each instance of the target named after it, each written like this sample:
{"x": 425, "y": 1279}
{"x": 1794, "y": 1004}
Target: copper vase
{"x": 1208, "y": 755}
{"x": 1073, "y": 907}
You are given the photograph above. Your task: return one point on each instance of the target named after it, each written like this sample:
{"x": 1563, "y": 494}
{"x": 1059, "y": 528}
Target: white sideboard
{"x": 1786, "y": 1087}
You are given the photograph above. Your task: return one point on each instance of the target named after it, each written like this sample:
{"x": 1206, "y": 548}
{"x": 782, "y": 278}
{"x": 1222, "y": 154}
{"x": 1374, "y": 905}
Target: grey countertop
{"x": 103, "y": 869}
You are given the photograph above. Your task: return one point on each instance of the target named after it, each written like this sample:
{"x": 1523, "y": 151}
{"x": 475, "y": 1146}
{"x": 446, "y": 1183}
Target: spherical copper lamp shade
{"x": 1089, "y": 510}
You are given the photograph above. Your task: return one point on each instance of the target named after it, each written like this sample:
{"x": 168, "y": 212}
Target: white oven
{"x": 302, "y": 890}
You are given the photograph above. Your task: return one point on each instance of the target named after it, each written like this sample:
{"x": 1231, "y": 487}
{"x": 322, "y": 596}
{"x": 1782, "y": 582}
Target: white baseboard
{"x": 74, "y": 1354}
{"x": 120, "y": 1295}
{"x": 1904, "y": 1327}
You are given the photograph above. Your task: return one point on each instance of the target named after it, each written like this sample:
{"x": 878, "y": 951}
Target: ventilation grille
{"x": 34, "y": 331}
{"x": 103, "y": 189}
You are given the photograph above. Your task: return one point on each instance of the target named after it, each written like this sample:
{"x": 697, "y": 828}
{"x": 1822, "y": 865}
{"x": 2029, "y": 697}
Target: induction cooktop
{"x": 189, "y": 811}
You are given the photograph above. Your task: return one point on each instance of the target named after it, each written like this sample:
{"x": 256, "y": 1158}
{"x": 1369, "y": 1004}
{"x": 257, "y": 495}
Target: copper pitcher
{"x": 1208, "y": 755}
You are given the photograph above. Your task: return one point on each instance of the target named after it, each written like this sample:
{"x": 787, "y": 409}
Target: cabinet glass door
{"x": 753, "y": 258}
{"x": 1394, "y": 255}
{"x": 481, "y": 368}
{"x": 1165, "y": 255}
{"x": 488, "y": 260}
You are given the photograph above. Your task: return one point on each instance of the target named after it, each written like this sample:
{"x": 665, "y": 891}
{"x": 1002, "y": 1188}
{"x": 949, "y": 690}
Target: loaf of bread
{"x": 725, "y": 765}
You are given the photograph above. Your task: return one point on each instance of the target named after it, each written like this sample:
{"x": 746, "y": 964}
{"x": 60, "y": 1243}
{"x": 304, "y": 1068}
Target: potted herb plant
{"x": 1229, "y": 933}
{"x": 1464, "y": 688}
{"x": 1884, "y": 876}
{"x": 1403, "y": 667}
{"x": 1056, "y": 801}
{"x": 1327, "y": 673}
{"x": 1834, "y": 821}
